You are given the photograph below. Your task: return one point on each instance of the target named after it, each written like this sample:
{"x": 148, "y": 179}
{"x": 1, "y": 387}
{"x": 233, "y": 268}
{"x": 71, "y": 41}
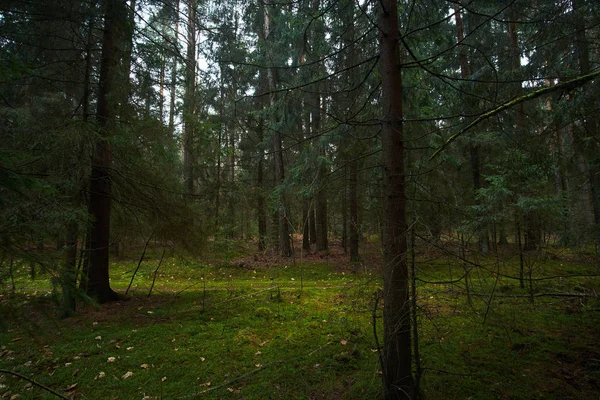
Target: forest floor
{"x": 241, "y": 325}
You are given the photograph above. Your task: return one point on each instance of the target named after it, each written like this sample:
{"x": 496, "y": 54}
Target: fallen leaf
{"x": 68, "y": 364}
{"x": 100, "y": 375}
{"x": 230, "y": 389}
{"x": 129, "y": 348}
{"x": 128, "y": 374}
{"x": 71, "y": 387}
{"x": 258, "y": 365}
{"x": 205, "y": 384}
{"x": 145, "y": 366}
{"x": 202, "y": 358}
{"x": 258, "y": 353}
{"x": 111, "y": 359}
{"x": 74, "y": 374}
{"x": 164, "y": 378}
{"x": 16, "y": 339}
{"x": 98, "y": 338}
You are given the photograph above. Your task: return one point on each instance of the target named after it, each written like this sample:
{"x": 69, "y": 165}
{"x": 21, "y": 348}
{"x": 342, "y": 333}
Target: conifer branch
{"x": 566, "y": 86}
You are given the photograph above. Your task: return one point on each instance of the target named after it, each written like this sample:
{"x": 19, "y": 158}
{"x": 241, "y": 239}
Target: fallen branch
{"x": 254, "y": 371}
{"x": 528, "y": 296}
{"x": 5, "y": 371}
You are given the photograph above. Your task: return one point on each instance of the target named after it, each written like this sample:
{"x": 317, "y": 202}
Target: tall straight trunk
{"x": 397, "y": 358}
{"x": 98, "y": 284}
{"x": 321, "y": 197}
{"x": 312, "y": 222}
{"x": 173, "y": 82}
{"x": 316, "y": 37}
{"x": 348, "y": 11}
{"x": 305, "y": 224}
{"x": 261, "y": 205}
{"x": 321, "y": 219}
{"x": 127, "y": 56}
{"x": 474, "y": 149}
{"x": 222, "y": 133}
{"x": 231, "y": 151}
{"x": 285, "y": 248}
{"x": 190, "y": 99}
{"x": 345, "y": 209}
{"x": 88, "y": 70}
{"x": 532, "y": 235}
{"x": 161, "y": 103}
{"x": 69, "y": 278}
{"x": 590, "y": 123}
{"x": 85, "y": 117}
{"x": 354, "y": 225}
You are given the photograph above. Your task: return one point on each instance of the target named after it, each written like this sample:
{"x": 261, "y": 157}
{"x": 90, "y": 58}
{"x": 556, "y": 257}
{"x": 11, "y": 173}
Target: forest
{"x": 299, "y": 199}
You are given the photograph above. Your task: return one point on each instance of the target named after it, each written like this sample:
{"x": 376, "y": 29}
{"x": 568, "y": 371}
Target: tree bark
{"x": 321, "y": 197}
{"x": 312, "y": 222}
{"x": 189, "y": 100}
{"x": 260, "y": 193}
{"x": 474, "y": 149}
{"x": 98, "y": 284}
{"x": 532, "y": 226}
{"x": 285, "y": 248}
{"x": 354, "y": 224}
{"x": 590, "y": 123}
{"x": 173, "y": 82}
{"x": 397, "y": 358}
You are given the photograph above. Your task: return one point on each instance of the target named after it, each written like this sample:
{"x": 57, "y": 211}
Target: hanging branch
{"x": 566, "y": 86}
{"x": 139, "y": 262}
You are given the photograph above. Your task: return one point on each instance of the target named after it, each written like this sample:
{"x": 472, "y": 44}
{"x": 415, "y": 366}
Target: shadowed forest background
{"x": 316, "y": 199}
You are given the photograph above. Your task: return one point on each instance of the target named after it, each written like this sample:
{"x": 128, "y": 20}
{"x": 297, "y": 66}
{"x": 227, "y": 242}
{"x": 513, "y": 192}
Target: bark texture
{"x": 397, "y": 358}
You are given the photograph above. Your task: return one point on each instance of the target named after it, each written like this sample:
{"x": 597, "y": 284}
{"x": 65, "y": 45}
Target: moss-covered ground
{"x": 248, "y": 326}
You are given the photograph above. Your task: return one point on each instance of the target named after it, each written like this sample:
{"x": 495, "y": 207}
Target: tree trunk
{"x": 285, "y": 248}
{"x": 69, "y": 278}
{"x": 345, "y": 209}
{"x": 190, "y": 99}
{"x": 98, "y": 284}
{"x": 590, "y": 123}
{"x": 354, "y": 226}
{"x": 397, "y": 359}
{"x": 260, "y": 193}
{"x": 305, "y": 224}
{"x": 532, "y": 227}
{"x": 321, "y": 198}
{"x": 174, "y": 73}
{"x": 312, "y": 222}
{"x": 474, "y": 149}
